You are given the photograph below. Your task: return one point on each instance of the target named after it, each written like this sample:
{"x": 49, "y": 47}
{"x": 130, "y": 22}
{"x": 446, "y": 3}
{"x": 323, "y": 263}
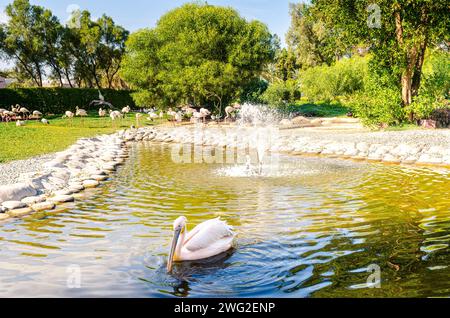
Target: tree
{"x": 312, "y": 41}
{"x": 97, "y": 47}
{"x": 398, "y": 33}
{"x": 85, "y": 52}
{"x": 21, "y": 41}
{"x": 197, "y": 53}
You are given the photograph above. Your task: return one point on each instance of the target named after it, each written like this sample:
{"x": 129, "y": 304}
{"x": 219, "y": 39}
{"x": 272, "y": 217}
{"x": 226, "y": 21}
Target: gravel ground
{"x": 411, "y": 137}
{"x": 11, "y": 171}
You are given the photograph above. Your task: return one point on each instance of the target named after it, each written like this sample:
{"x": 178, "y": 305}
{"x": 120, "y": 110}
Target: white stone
{"x": 17, "y": 213}
{"x": 390, "y": 158}
{"x": 33, "y": 200}
{"x": 16, "y": 192}
{"x": 63, "y": 192}
{"x": 61, "y": 199}
{"x": 362, "y": 147}
{"x": 11, "y": 205}
{"x": 429, "y": 159}
{"x": 90, "y": 183}
{"x": 43, "y": 206}
{"x": 98, "y": 177}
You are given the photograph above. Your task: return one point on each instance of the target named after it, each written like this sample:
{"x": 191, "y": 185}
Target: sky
{"x": 136, "y": 14}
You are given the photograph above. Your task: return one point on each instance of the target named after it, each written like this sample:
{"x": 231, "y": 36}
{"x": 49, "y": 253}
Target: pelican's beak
{"x": 176, "y": 235}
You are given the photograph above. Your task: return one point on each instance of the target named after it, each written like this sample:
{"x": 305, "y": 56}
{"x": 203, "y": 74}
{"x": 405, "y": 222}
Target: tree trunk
{"x": 407, "y": 88}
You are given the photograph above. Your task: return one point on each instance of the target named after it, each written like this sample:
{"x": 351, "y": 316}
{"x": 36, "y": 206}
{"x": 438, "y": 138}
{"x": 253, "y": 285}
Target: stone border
{"x": 402, "y": 153}
{"x": 83, "y": 165}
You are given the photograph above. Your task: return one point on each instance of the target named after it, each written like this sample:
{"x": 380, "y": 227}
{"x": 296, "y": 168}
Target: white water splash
{"x": 258, "y": 115}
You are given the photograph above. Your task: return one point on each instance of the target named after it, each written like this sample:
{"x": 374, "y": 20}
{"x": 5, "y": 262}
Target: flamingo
{"x": 230, "y": 110}
{"x": 81, "y": 113}
{"x": 179, "y": 117}
{"x": 45, "y": 121}
{"x": 20, "y": 123}
{"x": 206, "y": 240}
{"x": 115, "y": 115}
{"x": 126, "y": 110}
{"x": 37, "y": 114}
{"x": 25, "y": 112}
{"x": 101, "y": 112}
{"x": 138, "y": 119}
{"x": 69, "y": 115}
{"x": 152, "y": 116}
{"x": 196, "y": 116}
{"x": 171, "y": 114}
{"x": 204, "y": 113}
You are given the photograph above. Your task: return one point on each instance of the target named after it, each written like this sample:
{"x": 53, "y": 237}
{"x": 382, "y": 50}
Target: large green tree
{"x": 97, "y": 48}
{"x": 398, "y": 33}
{"x": 197, "y": 53}
{"x": 85, "y": 52}
{"x": 21, "y": 40}
{"x": 311, "y": 40}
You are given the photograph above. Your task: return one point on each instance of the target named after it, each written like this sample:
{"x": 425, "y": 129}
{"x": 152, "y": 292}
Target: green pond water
{"x": 311, "y": 228}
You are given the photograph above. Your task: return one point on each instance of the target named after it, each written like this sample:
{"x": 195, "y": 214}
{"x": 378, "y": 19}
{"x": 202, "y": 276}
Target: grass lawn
{"x": 35, "y": 138}
{"x": 332, "y": 109}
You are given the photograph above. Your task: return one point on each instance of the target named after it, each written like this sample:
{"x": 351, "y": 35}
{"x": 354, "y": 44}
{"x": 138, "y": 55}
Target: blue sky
{"x": 136, "y": 14}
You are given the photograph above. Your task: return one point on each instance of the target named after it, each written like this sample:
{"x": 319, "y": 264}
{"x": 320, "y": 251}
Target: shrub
{"x": 59, "y": 100}
{"x": 379, "y": 103}
{"x": 281, "y": 93}
{"x": 435, "y": 85}
{"x": 326, "y": 83}
{"x": 442, "y": 116}
{"x": 253, "y": 92}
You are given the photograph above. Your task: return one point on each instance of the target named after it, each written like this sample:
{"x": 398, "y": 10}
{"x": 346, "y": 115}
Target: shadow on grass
{"x": 322, "y": 109}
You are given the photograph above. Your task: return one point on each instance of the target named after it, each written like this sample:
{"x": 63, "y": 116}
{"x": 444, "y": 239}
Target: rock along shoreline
{"x": 91, "y": 161}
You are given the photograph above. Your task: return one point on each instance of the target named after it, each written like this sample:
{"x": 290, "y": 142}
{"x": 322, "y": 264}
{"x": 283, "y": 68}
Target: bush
{"x": 379, "y": 103}
{"x": 281, "y": 93}
{"x": 59, "y": 100}
{"x": 435, "y": 85}
{"x": 326, "y": 83}
{"x": 253, "y": 92}
{"x": 442, "y": 116}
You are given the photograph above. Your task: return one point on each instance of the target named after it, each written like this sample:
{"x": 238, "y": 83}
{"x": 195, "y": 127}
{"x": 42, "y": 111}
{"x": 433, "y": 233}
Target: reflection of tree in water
{"x": 395, "y": 239}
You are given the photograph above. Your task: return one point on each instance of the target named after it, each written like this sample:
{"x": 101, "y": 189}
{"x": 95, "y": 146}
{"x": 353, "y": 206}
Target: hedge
{"x": 59, "y": 100}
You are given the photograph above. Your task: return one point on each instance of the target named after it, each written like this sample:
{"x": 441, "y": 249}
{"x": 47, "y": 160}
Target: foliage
{"x": 321, "y": 109}
{"x": 86, "y": 53}
{"x": 311, "y": 41}
{"x": 327, "y": 83}
{"x": 442, "y": 116}
{"x": 252, "y": 92}
{"x": 379, "y": 103}
{"x": 283, "y": 68}
{"x": 397, "y": 33}
{"x": 59, "y": 100}
{"x": 199, "y": 54}
{"x": 281, "y": 93}
{"x": 435, "y": 85}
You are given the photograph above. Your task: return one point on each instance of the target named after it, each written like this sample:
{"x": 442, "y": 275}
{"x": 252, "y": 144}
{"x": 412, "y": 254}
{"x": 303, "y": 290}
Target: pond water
{"x": 314, "y": 230}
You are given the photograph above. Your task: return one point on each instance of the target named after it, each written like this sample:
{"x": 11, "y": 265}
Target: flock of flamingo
{"x": 21, "y": 114}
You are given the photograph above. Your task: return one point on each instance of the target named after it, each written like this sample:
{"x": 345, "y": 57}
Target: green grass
{"x": 35, "y": 138}
{"x": 404, "y": 127}
{"x": 332, "y": 109}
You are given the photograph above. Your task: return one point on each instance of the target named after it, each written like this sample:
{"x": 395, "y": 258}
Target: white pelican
{"x": 206, "y": 240}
